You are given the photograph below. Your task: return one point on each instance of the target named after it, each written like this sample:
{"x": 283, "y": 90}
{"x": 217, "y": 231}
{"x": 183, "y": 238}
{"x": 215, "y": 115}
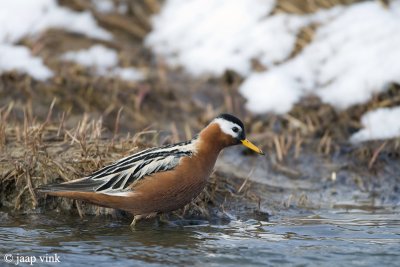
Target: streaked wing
{"x": 120, "y": 175}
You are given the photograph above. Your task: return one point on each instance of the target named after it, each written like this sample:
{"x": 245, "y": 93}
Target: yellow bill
{"x": 251, "y": 146}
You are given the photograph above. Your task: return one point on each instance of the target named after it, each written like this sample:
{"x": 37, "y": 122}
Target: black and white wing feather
{"x": 117, "y": 177}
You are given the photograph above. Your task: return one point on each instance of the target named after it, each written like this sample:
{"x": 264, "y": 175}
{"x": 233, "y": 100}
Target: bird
{"x": 159, "y": 179}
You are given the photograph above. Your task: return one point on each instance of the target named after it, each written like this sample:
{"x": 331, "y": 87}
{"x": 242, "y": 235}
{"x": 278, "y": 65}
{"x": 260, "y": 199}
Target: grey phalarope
{"x": 159, "y": 179}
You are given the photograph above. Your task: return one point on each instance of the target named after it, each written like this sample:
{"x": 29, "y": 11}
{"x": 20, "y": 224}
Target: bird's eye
{"x": 235, "y": 129}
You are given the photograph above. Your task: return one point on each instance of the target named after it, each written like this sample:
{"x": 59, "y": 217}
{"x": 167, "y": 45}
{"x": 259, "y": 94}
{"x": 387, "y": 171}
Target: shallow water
{"x": 328, "y": 238}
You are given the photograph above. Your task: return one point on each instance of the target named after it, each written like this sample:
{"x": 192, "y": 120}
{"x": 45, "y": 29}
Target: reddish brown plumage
{"x": 169, "y": 190}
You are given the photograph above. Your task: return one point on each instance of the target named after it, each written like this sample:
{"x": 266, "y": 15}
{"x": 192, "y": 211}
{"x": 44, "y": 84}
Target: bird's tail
{"x": 79, "y": 185}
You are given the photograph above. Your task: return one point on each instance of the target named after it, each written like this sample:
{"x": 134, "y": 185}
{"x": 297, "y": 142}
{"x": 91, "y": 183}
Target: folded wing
{"x": 119, "y": 176}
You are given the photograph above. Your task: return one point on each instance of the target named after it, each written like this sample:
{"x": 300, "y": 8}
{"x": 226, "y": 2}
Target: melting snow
{"x": 97, "y": 55}
{"x": 351, "y": 58}
{"x": 104, "y": 60}
{"x": 353, "y": 55}
{"x": 382, "y": 123}
{"x": 20, "y": 18}
{"x": 211, "y": 36}
{"x": 103, "y": 6}
{"x": 128, "y": 74}
{"x": 19, "y": 58}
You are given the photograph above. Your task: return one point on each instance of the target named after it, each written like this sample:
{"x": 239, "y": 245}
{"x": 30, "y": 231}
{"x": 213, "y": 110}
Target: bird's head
{"x": 228, "y": 130}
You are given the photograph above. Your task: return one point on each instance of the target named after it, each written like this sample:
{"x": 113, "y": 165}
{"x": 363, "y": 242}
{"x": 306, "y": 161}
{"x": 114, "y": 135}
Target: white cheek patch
{"x": 226, "y": 127}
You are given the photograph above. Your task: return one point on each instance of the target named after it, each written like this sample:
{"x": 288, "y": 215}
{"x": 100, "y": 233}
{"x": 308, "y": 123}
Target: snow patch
{"x": 274, "y": 93}
{"x": 110, "y": 6}
{"x": 212, "y": 36}
{"x": 104, "y": 61}
{"x": 383, "y": 123}
{"x": 20, "y": 18}
{"x": 103, "y": 6}
{"x": 96, "y": 56}
{"x": 17, "y": 57}
{"x": 353, "y": 55}
{"x": 351, "y": 58}
{"x": 128, "y": 74}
